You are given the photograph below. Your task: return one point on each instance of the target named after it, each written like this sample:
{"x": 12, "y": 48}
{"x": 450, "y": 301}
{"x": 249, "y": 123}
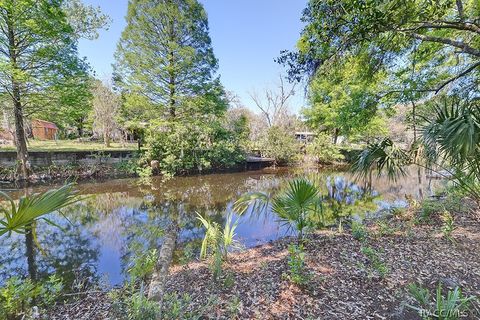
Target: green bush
{"x": 296, "y": 265}
{"x": 192, "y": 145}
{"x": 280, "y": 144}
{"x": 323, "y": 149}
{"x": 140, "y": 308}
{"x": 17, "y": 297}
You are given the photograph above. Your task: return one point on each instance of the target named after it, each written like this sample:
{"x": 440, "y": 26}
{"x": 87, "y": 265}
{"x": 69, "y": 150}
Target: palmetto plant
{"x": 20, "y": 216}
{"x": 217, "y": 241}
{"x": 215, "y": 238}
{"x": 450, "y": 307}
{"x": 452, "y": 139}
{"x": 296, "y": 206}
{"x": 450, "y": 143}
{"x": 382, "y": 156}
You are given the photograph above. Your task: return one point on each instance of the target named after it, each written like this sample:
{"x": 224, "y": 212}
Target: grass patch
{"x": 71, "y": 145}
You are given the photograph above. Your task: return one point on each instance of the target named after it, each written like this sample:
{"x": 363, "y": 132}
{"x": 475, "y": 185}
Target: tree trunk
{"x": 23, "y": 171}
{"x": 30, "y": 253}
{"x": 80, "y": 131}
{"x": 171, "y": 72}
{"x": 106, "y": 138}
{"x": 171, "y": 85}
{"x": 335, "y": 135}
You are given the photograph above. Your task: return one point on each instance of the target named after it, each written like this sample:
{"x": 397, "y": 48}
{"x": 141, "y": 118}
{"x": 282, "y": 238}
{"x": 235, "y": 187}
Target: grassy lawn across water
{"x": 71, "y": 145}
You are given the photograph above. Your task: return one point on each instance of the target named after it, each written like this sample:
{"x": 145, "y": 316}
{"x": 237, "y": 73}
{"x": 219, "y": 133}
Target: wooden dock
{"x": 255, "y": 163}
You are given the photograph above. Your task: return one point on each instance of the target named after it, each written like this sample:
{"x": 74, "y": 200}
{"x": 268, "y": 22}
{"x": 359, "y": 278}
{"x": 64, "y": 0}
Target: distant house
{"x": 305, "y": 136}
{"x": 44, "y": 130}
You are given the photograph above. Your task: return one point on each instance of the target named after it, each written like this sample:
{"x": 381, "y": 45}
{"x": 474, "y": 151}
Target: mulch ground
{"x": 343, "y": 282}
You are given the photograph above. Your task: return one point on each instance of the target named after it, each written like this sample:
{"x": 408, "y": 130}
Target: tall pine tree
{"x": 165, "y": 54}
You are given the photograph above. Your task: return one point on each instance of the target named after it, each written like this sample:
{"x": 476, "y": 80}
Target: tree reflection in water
{"x": 121, "y": 216}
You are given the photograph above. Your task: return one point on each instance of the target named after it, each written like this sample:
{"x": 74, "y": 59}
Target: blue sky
{"x": 246, "y": 34}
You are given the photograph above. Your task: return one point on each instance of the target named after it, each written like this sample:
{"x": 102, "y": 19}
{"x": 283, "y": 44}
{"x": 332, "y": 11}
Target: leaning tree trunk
{"x": 156, "y": 289}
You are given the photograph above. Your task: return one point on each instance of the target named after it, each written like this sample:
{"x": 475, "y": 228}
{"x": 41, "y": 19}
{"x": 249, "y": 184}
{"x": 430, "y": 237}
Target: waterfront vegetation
{"x": 377, "y": 215}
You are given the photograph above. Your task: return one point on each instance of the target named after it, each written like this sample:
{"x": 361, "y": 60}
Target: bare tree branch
{"x": 274, "y": 103}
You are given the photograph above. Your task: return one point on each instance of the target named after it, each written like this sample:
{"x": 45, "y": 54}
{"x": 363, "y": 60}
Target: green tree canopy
{"x": 38, "y": 57}
{"x": 343, "y": 100}
{"x": 165, "y": 54}
{"x": 441, "y": 38}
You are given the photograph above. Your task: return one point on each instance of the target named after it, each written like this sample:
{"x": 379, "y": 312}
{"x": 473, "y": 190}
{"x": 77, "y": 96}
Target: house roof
{"x": 44, "y": 124}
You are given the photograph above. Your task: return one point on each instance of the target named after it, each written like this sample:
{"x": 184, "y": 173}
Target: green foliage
{"x": 344, "y": 99}
{"x": 299, "y": 206}
{"x": 179, "y": 56}
{"x": 427, "y": 209}
{"x": 384, "y": 228}
{"x": 323, "y": 149}
{"x": 217, "y": 242}
{"x": 129, "y": 166}
{"x": 448, "y": 225}
{"x": 280, "y": 144}
{"x": 451, "y": 307}
{"x": 38, "y": 46}
{"x": 140, "y": 308}
{"x": 142, "y": 265}
{"x": 144, "y": 172}
{"x": 296, "y": 265}
{"x": 193, "y": 144}
{"x": 452, "y": 136}
{"x": 176, "y": 306}
{"x": 359, "y": 231}
{"x": 19, "y": 217}
{"x": 382, "y": 156}
{"x": 375, "y": 261}
{"x": 17, "y": 296}
{"x": 422, "y": 34}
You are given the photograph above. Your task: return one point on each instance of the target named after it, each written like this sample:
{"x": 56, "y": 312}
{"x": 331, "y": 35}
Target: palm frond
{"x": 383, "y": 157}
{"x": 31, "y": 208}
{"x": 258, "y": 201}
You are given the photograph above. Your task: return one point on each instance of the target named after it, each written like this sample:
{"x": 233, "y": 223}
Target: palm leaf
{"x": 34, "y": 207}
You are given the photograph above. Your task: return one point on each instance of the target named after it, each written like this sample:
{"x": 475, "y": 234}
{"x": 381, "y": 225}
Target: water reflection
{"x": 121, "y": 216}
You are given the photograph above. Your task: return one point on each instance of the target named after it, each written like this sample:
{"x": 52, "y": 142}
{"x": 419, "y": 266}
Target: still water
{"x": 117, "y": 218}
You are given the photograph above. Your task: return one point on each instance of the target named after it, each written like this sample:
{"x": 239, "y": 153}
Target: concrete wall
{"x": 37, "y": 158}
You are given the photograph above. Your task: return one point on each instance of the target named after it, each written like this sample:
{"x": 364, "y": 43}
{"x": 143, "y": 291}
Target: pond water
{"x": 100, "y": 235}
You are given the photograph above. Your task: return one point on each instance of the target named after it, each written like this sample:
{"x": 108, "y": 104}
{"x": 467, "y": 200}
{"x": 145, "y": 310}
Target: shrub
{"x": 17, "y": 297}
{"x": 375, "y": 261}
{"x": 217, "y": 242}
{"x": 192, "y": 145}
{"x": 359, "y": 231}
{"x": 296, "y": 265}
{"x": 324, "y": 150}
{"x": 140, "y": 308}
{"x": 280, "y": 144}
{"x": 448, "y": 225}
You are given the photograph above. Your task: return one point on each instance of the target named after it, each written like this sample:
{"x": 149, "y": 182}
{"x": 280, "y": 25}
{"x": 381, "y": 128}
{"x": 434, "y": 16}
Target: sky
{"x": 247, "y": 36}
